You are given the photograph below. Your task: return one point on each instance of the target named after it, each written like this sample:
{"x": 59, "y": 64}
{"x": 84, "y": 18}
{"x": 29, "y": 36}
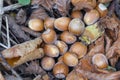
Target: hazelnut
{"x": 77, "y": 14}
{"x": 49, "y": 23}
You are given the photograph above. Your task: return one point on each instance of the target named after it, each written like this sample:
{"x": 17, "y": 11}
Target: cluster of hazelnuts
{"x": 66, "y": 43}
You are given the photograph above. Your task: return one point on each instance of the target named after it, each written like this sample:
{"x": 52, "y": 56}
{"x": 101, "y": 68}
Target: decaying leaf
{"x": 111, "y": 26}
{"x": 39, "y": 13}
{"x": 84, "y": 4}
{"x": 21, "y": 17}
{"x": 23, "y": 52}
{"x": 34, "y": 68}
{"x": 1, "y": 76}
{"x": 73, "y": 75}
{"x": 47, "y": 4}
{"x": 98, "y": 47}
{"x": 63, "y": 6}
{"x": 115, "y": 48}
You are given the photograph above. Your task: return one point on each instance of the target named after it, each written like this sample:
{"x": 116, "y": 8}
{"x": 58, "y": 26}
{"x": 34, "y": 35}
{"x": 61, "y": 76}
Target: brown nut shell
{"x": 49, "y": 23}
{"x": 91, "y": 17}
{"x": 70, "y": 59}
{"x": 62, "y": 23}
{"x": 62, "y": 46}
{"x": 60, "y": 70}
{"x": 76, "y": 26}
{"x": 47, "y": 63}
{"x": 49, "y": 36}
{"x": 51, "y": 50}
{"x": 102, "y": 9}
{"x": 77, "y": 14}
{"x": 68, "y": 37}
{"x": 36, "y": 24}
{"x": 79, "y": 49}
{"x": 100, "y": 60}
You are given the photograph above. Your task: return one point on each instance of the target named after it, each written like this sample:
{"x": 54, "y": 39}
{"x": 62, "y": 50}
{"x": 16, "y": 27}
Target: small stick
{"x": 8, "y": 36}
{"x": 1, "y": 13}
{"x": 12, "y": 7}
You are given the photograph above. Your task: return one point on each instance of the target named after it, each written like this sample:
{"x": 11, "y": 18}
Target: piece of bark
{"x": 22, "y": 49}
{"x": 1, "y": 76}
{"x": 16, "y": 29}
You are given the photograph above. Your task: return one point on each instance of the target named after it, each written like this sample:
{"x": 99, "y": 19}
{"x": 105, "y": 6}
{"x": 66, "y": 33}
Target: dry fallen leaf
{"x": 21, "y": 17}
{"x": 47, "y": 4}
{"x": 39, "y": 13}
{"x": 63, "y": 6}
{"x": 23, "y": 52}
{"x": 84, "y": 4}
{"x": 98, "y": 47}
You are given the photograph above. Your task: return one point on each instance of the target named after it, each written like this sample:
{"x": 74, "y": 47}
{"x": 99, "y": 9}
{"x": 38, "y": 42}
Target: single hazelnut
{"x": 49, "y": 23}
{"x": 77, "y": 14}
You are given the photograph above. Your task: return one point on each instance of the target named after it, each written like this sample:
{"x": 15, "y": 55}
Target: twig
{"x": 12, "y": 7}
{"x": 3, "y": 45}
{"x": 1, "y": 13}
{"x": 8, "y": 36}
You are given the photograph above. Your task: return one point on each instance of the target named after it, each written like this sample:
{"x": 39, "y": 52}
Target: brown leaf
{"x": 47, "y": 4}
{"x": 98, "y": 47}
{"x": 81, "y": 4}
{"x": 39, "y": 13}
{"x": 62, "y": 6}
{"x": 100, "y": 76}
{"x": 21, "y": 17}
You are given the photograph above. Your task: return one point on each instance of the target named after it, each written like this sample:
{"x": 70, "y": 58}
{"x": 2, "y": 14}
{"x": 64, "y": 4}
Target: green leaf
{"x": 24, "y": 2}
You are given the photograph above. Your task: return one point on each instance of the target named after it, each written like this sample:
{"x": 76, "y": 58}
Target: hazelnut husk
{"x": 62, "y": 23}
{"x": 79, "y": 49}
{"x": 68, "y": 37}
{"x": 60, "y": 70}
{"x": 100, "y": 60}
{"x": 70, "y": 59}
{"x": 36, "y": 24}
{"x": 47, "y": 63}
{"x": 49, "y": 36}
{"x": 91, "y": 17}
{"x": 51, "y": 50}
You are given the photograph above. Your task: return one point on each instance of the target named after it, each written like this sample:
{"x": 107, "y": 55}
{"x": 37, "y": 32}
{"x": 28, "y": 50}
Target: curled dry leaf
{"x": 63, "y": 6}
{"x": 98, "y": 47}
{"x": 21, "y": 17}
{"x": 81, "y": 4}
{"x": 47, "y": 4}
{"x": 114, "y": 60}
{"x": 39, "y": 13}
{"x": 1, "y": 76}
{"x": 23, "y": 52}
